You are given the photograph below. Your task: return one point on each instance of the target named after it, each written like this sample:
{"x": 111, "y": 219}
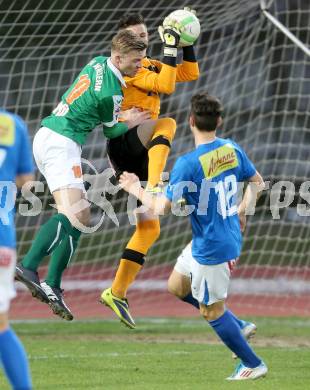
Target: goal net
{"x": 263, "y": 80}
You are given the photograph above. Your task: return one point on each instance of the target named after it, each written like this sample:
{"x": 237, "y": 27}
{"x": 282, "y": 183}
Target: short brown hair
{"x": 126, "y": 41}
{"x": 206, "y": 110}
{"x": 130, "y": 19}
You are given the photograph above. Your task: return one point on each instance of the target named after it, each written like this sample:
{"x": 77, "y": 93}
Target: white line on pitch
{"x": 278, "y": 285}
{"x": 107, "y": 354}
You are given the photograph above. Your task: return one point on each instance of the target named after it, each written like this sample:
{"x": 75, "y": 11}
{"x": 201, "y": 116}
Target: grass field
{"x": 172, "y": 354}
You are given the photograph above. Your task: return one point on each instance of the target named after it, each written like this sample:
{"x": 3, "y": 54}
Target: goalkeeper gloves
{"x": 170, "y": 32}
{"x": 189, "y": 9}
{"x": 170, "y": 35}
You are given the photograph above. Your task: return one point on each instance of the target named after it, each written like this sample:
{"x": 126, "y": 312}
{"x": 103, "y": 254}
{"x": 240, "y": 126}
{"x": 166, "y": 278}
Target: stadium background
{"x": 263, "y": 80}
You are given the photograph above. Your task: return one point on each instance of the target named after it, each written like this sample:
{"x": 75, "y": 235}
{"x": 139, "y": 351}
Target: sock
{"x": 61, "y": 257}
{"x": 229, "y": 332}
{"x": 159, "y": 149}
{"x": 191, "y": 300}
{"x": 158, "y": 156}
{"x": 241, "y": 323}
{"x": 46, "y": 240}
{"x": 125, "y": 275}
{"x": 146, "y": 234}
{"x": 14, "y": 361}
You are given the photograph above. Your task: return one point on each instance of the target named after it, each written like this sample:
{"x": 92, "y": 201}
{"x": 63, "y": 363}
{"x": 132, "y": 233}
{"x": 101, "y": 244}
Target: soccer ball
{"x": 189, "y": 23}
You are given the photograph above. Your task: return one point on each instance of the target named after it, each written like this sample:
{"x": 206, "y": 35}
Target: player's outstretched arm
{"x": 159, "y": 205}
{"x": 164, "y": 81}
{"x": 188, "y": 70}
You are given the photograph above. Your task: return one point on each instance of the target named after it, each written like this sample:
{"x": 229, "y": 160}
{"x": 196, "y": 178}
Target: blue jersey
{"x": 208, "y": 179}
{"x": 15, "y": 159}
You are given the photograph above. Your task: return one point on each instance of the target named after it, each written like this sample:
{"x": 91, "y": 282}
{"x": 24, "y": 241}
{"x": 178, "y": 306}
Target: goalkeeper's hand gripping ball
{"x": 184, "y": 23}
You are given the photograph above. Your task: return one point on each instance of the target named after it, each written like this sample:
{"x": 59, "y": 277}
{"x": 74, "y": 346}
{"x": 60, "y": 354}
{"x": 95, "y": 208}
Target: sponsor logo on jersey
{"x": 7, "y": 130}
{"x": 99, "y": 77}
{"x": 218, "y": 161}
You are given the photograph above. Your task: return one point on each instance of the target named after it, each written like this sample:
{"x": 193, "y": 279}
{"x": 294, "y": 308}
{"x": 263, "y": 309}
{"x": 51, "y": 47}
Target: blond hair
{"x": 126, "y": 41}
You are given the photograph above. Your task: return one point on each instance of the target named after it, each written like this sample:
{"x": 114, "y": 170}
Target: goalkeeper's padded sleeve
{"x": 189, "y": 54}
{"x": 170, "y": 56}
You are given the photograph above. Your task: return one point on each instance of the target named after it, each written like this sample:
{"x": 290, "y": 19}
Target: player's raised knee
{"x": 169, "y": 123}
{"x": 165, "y": 129}
{"x": 79, "y": 220}
{"x": 212, "y": 312}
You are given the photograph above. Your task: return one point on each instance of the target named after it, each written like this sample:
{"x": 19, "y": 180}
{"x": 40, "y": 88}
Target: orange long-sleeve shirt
{"x": 153, "y": 78}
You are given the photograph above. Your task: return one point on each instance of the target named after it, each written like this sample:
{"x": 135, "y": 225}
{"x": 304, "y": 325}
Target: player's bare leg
{"x": 224, "y": 324}
{"x": 4, "y": 321}
{"x": 73, "y": 204}
{"x": 180, "y": 286}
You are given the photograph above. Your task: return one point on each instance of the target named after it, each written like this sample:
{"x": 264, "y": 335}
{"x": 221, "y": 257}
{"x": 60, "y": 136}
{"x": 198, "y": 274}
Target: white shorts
{"x": 209, "y": 283}
{"x": 58, "y": 159}
{"x": 7, "y": 271}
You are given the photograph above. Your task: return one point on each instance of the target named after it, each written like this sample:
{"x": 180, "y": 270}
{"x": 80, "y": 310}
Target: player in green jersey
{"x": 94, "y": 98}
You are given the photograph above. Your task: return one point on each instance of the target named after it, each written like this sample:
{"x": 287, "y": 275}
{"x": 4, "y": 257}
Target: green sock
{"x": 46, "y": 240}
{"x": 61, "y": 257}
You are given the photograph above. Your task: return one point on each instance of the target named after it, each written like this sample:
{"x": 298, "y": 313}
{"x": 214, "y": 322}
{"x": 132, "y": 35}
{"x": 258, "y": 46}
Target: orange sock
{"x": 125, "y": 275}
{"x": 132, "y": 260}
{"x": 158, "y": 155}
{"x": 164, "y": 132}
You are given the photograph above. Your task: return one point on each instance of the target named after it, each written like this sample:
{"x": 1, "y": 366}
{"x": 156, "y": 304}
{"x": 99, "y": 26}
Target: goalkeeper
{"x": 144, "y": 150}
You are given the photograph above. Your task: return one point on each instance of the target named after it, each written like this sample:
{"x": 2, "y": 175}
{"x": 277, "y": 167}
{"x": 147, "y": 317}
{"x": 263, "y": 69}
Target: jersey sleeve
{"x": 179, "y": 176}
{"x": 187, "y": 71}
{"x": 162, "y": 82}
{"x": 247, "y": 167}
{"x": 25, "y": 162}
{"x": 109, "y": 110}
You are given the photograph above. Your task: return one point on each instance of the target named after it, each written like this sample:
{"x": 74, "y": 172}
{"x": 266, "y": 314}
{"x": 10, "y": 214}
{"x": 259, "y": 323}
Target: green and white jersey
{"x": 95, "y": 97}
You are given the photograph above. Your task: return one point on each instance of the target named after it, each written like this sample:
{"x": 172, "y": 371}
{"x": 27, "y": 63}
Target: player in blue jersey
{"x": 209, "y": 179}
{"x": 15, "y": 167}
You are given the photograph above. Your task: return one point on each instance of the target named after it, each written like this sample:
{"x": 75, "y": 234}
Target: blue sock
{"x": 229, "y": 332}
{"x": 241, "y": 323}
{"x": 14, "y": 360}
{"x": 191, "y": 300}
